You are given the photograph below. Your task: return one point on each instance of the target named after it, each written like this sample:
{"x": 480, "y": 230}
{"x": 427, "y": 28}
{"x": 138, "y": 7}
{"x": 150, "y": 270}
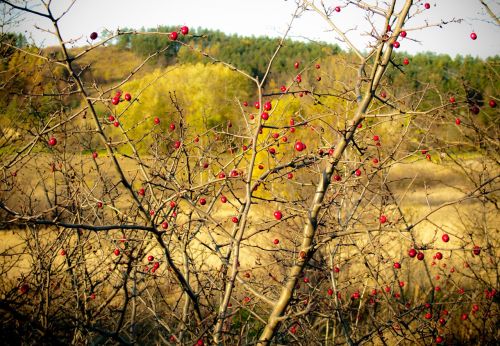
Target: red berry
{"x": 63, "y": 252}
{"x": 272, "y": 151}
{"x": 203, "y": 201}
{"x": 164, "y": 225}
{"x": 299, "y": 146}
{"x": 172, "y": 126}
{"x": 318, "y": 66}
{"x": 257, "y": 104}
{"x": 24, "y": 288}
{"x": 406, "y": 61}
{"x": 330, "y": 292}
{"x": 383, "y": 94}
{"x": 452, "y": 99}
{"x": 439, "y": 255}
{"x": 337, "y": 8}
{"x": 156, "y": 120}
{"x": 222, "y": 175}
{"x": 111, "y": 118}
{"x": 473, "y": 36}
{"x": 357, "y": 172}
{"x": 298, "y": 78}
{"x": 476, "y": 250}
{"x": 439, "y": 339}
{"x": 141, "y": 192}
{"x": 420, "y": 256}
{"x": 457, "y": 121}
{"x": 93, "y": 35}
{"x": 383, "y": 219}
{"x": 173, "y": 35}
{"x": 116, "y": 124}
{"x": 464, "y": 316}
{"x": 278, "y": 215}
{"x": 223, "y": 199}
{"x": 412, "y": 253}
{"x": 289, "y": 175}
{"x": 52, "y": 141}
{"x": 428, "y": 316}
{"x": 445, "y": 238}
{"x": 375, "y": 161}
{"x": 296, "y": 65}
{"x": 427, "y": 5}
{"x": 115, "y": 100}
{"x": 234, "y": 219}
{"x": 184, "y": 30}
{"x": 150, "y": 258}
{"x": 403, "y": 34}
{"x": 172, "y": 204}
{"x": 127, "y": 97}
{"x": 264, "y": 115}
{"x": 117, "y": 252}
{"x": 376, "y": 138}
{"x": 397, "y": 265}
{"x": 276, "y": 241}
{"x": 396, "y": 44}
{"x": 492, "y": 103}
{"x": 245, "y": 104}
{"x": 95, "y": 154}
{"x": 268, "y": 106}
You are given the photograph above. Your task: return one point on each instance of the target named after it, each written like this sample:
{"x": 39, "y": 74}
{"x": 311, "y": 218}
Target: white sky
{"x": 270, "y": 17}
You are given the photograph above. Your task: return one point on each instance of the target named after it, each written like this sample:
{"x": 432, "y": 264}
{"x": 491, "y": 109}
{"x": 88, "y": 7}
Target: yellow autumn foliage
{"x": 207, "y": 95}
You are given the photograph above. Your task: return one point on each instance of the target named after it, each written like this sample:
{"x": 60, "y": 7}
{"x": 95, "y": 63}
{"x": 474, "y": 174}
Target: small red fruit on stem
{"x": 173, "y": 35}
{"x": 278, "y": 215}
